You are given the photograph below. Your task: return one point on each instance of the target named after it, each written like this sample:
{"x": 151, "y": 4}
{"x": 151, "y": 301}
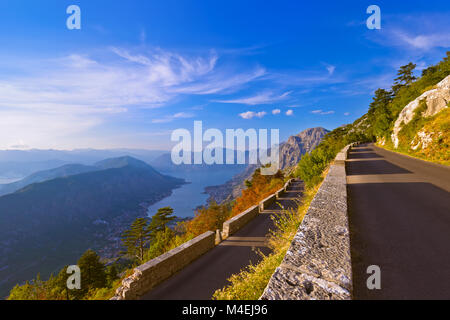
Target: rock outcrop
{"x": 296, "y": 146}
{"x": 436, "y": 100}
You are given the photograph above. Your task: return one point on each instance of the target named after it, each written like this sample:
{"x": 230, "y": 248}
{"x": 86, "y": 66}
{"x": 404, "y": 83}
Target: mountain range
{"x": 16, "y": 164}
{"x": 48, "y": 224}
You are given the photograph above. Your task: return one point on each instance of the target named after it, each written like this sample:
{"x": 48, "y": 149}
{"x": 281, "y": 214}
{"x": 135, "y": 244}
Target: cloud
{"x": 262, "y": 98}
{"x": 347, "y": 114}
{"x": 180, "y": 115}
{"x": 330, "y": 68}
{"x": 81, "y": 84}
{"x": 424, "y": 32}
{"x": 56, "y": 97}
{"x": 276, "y": 111}
{"x": 20, "y": 145}
{"x": 142, "y": 36}
{"x": 250, "y": 115}
{"x": 321, "y": 112}
{"x": 43, "y": 130}
{"x": 220, "y": 82}
{"x": 422, "y": 41}
{"x": 290, "y": 112}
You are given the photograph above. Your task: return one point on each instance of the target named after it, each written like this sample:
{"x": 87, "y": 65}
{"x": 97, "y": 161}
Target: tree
{"x": 261, "y": 187}
{"x": 208, "y": 218}
{"x": 137, "y": 238}
{"x": 379, "y": 114}
{"x": 111, "y": 274}
{"x": 160, "y": 220}
{"x": 58, "y": 285}
{"x": 93, "y": 275}
{"x": 405, "y": 77}
{"x": 160, "y": 244}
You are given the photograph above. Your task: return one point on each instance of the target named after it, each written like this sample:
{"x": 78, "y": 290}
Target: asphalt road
{"x": 200, "y": 279}
{"x": 399, "y": 214}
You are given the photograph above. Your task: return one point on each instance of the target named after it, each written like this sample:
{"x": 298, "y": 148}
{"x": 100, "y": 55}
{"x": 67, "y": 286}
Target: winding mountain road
{"x": 399, "y": 214}
{"x": 200, "y": 279}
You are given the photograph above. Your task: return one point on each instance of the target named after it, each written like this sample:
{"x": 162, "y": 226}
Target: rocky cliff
{"x": 292, "y": 150}
{"x": 435, "y": 100}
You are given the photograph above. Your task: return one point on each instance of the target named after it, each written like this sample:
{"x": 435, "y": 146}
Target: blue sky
{"x": 137, "y": 70}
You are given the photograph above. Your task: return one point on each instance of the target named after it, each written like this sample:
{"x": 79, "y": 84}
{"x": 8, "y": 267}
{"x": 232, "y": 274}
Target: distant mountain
{"x": 122, "y": 162}
{"x": 17, "y": 164}
{"x": 70, "y": 170}
{"x": 164, "y": 163}
{"x": 296, "y": 146}
{"x": 46, "y": 225}
{"x": 290, "y": 153}
{"x": 84, "y": 156}
{"x": 40, "y": 176}
{"x": 21, "y": 169}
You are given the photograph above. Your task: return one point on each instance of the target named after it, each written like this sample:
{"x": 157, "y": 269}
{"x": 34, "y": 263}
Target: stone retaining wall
{"x": 150, "y": 274}
{"x": 237, "y": 222}
{"x": 318, "y": 263}
{"x": 268, "y": 201}
{"x": 280, "y": 192}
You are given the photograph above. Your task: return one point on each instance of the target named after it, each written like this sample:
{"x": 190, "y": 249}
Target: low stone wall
{"x": 318, "y": 263}
{"x": 150, "y": 274}
{"x": 280, "y": 192}
{"x": 268, "y": 201}
{"x": 237, "y": 222}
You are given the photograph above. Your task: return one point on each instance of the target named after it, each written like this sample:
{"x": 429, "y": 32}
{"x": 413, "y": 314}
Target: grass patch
{"x": 250, "y": 283}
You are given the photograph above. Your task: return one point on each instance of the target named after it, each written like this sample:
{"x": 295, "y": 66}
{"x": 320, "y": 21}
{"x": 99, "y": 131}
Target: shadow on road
{"x": 368, "y": 167}
{"x": 363, "y": 155}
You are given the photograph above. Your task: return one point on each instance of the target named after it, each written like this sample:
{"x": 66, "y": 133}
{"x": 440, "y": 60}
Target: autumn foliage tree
{"x": 208, "y": 218}
{"x": 260, "y": 187}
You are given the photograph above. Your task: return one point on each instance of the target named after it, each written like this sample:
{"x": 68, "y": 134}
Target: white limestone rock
{"x": 436, "y": 99}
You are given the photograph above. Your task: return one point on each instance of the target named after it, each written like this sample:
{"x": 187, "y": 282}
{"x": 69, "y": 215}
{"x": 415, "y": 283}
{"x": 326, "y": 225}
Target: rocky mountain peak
{"x": 296, "y": 146}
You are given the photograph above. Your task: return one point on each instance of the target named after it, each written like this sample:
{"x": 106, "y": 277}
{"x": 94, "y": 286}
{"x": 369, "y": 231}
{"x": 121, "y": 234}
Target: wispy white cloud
{"x": 142, "y": 36}
{"x": 421, "y": 41}
{"x": 276, "y": 111}
{"x": 250, "y": 115}
{"x": 330, "y": 68}
{"x": 170, "y": 118}
{"x": 69, "y": 95}
{"x": 290, "y": 112}
{"x": 261, "y": 98}
{"x": 223, "y": 82}
{"x": 321, "y": 112}
{"x": 418, "y": 32}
